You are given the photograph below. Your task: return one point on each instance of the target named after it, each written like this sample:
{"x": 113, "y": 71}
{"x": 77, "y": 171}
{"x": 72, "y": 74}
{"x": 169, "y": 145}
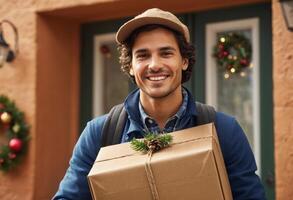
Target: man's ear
{"x": 131, "y": 71}
{"x": 185, "y": 64}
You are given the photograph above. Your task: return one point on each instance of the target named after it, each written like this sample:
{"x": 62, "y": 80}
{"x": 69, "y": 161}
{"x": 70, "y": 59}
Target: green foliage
{"x": 139, "y": 145}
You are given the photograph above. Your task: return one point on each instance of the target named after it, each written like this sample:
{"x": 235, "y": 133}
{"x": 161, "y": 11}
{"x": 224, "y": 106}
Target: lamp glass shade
{"x": 287, "y": 8}
{"x": 3, "y": 55}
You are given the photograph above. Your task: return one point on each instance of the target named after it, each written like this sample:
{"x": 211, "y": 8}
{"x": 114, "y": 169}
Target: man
{"x": 156, "y": 53}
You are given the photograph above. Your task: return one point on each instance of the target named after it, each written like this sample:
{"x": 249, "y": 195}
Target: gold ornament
{"x": 16, "y": 128}
{"x": 5, "y": 118}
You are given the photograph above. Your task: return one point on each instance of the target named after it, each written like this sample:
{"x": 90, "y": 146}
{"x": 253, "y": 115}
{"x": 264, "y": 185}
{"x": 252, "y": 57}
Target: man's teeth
{"x": 157, "y": 78}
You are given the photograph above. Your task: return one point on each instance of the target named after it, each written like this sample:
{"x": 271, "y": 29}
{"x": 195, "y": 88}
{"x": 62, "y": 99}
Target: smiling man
{"x": 157, "y": 68}
{"x": 156, "y": 53}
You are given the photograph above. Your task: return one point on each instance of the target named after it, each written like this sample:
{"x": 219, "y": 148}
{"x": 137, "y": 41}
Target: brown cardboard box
{"x": 191, "y": 168}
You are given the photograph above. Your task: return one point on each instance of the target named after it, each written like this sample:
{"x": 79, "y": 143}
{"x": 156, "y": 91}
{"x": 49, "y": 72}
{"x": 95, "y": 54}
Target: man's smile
{"x": 157, "y": 78}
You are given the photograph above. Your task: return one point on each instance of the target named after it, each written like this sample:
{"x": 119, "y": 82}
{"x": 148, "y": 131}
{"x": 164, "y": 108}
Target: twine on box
{"x": 151, "y": 144}
{"x": 150, "y": 176}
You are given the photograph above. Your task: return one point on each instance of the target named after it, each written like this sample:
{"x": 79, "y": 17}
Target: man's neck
{"x": 161, "y": 109}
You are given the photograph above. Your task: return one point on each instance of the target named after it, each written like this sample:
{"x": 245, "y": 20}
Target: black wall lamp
{"x": 7, "y": 54}
{"x": 287, "y": 9}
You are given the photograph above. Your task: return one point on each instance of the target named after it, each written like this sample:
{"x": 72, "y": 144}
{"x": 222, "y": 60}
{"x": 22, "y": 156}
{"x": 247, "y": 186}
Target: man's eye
{"x": 141, "y": 56}
{"x": 167, "y": 53}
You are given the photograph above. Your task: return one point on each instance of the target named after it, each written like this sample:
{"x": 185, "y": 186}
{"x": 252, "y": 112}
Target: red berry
{"x": 15, "y": 144}
{"x": 11, "y": 156}
{"x": 221, "y": 46}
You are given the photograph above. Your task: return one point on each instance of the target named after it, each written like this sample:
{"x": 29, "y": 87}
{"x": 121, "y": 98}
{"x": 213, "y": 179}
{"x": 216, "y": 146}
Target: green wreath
{"x": 233, "y": 52}
{"x": 13, "y": 134}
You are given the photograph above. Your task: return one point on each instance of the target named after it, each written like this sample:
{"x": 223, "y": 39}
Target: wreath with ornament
{"x": 13, "y": 134}
{"x": 233, "y": 53}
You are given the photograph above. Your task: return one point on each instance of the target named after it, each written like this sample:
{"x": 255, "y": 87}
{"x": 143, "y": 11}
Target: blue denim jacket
{"x": 238, "y": 156}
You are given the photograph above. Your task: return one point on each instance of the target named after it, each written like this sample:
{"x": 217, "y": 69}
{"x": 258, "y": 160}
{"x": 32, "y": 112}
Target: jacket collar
{"x": 131, "y": 105}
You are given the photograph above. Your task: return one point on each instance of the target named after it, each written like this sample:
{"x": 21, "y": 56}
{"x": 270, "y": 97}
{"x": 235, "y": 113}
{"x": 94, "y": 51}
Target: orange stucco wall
{"x": 44, "y": 82}
{"x": 18, "y": 83}
{"x": 283, "y": 104}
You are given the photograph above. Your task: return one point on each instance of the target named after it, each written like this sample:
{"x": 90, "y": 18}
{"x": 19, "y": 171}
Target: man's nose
{"x": 155, "y": 64}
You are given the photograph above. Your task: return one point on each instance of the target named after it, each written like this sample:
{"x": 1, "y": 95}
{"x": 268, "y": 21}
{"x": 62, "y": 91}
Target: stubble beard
{"x": 162, "y": 95}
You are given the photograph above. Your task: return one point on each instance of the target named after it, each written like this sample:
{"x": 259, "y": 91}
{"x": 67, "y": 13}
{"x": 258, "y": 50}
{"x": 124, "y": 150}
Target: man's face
{"x": 157, "y": 64}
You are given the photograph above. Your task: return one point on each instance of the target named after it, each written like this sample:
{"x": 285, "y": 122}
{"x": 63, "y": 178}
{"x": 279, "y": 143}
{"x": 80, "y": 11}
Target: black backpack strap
{"x": 113, "y": 126}
{"x": 206, "y": 113}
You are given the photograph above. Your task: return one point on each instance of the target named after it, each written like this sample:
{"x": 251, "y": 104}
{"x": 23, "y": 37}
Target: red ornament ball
{"x": 104, "y": 49}
{"x": 244, "y": 62}
{"x": 225, "y": 53}
{"x": 15, "y": 144}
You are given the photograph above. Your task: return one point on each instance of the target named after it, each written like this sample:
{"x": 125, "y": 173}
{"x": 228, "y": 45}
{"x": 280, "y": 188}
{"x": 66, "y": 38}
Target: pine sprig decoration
{"x": 139, "y": 145}
{"x": 151, "y": 142}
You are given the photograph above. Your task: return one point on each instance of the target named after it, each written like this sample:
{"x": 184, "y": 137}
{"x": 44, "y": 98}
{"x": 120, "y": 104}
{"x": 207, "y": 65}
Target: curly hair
{"x": 186, "y": 49}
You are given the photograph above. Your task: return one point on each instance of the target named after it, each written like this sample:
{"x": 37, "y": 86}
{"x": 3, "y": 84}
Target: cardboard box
{"x": 192, "y": 167}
